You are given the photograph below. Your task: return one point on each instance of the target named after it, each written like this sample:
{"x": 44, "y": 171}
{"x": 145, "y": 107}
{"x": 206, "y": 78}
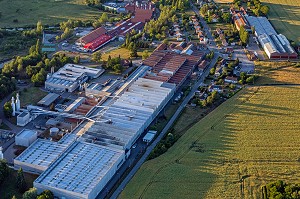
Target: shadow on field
{"x": 189, "y": 168}
{"x": 283, "y": 18}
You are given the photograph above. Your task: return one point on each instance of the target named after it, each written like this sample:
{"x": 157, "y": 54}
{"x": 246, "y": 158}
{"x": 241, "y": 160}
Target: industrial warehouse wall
{"x": 28, "y": 168}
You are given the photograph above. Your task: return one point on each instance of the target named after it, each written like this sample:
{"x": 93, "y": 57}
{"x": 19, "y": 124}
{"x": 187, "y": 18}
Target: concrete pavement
{"x": 164, "y": 131}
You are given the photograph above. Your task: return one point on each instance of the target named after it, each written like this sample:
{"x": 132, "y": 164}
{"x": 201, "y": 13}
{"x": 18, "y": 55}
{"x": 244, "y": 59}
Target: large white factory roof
{"x": 127, "y": 117}
{"x": 261, "y": 24}
{"x": 69, "y": 74}
{"x": 91, "y": 72}
{"x": 268, "y": 37}
{"x": 80, "y": 170}
{"x": 275, "y": 43}
{"x": 42, "y": 153}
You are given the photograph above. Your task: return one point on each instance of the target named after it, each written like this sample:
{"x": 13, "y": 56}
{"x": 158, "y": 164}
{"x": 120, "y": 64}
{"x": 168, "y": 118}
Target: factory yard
{"x": 252, "y": 136}
{"x": 49, "y": 12}
{"x": 285, "y": 16}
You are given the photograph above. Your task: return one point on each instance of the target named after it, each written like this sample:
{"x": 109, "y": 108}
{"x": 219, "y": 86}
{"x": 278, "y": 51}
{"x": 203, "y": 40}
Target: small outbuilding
{"x": 149, "y": 136}
{"x": 48, "y": 99}
{"x": 26, "y": 137}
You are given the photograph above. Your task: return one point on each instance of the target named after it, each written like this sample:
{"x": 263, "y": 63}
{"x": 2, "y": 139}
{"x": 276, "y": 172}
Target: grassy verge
{"x": 32, "y": 96}
{"x": 122, "y": 52}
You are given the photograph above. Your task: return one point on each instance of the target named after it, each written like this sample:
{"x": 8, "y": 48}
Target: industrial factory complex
{"x": 102, "y": 141}
{"x": 276, "y": 46}
{"x": 70, "y": 77}
{"x": 99, "y": 37}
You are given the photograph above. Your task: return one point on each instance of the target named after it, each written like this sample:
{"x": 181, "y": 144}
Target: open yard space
{"x": 48, "y": 11}
{"x": 32, "y": 96}
{"x": 285, "y": 17}
{"x": 254, "y": 136}
{"x": 123, "y": 52}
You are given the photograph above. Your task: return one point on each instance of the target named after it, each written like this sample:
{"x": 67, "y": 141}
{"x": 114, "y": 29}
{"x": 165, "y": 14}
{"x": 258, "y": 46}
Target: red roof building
{"x": 142, "y": 15}
{"x": 171, "y": 67}
{"x": 92, "y": 35}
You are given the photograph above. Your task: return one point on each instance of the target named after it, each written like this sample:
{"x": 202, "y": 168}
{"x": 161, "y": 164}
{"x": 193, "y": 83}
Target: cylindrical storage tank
{"x": 54, "y": 131}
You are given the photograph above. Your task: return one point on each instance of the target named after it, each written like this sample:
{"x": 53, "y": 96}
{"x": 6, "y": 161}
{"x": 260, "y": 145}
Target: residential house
{"x": 215, "y": 18}
{"x": 203, "y": 65}
{"x": 231, "y": 79}
{"x": 224, "y": 42}
{"x": 219, "y": 31}
{"x": 217, "y": 88}
{"x": 229, "y": 50}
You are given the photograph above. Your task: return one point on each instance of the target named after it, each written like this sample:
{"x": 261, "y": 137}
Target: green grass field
{"x": 254, "y": 135}
{"x": 32, "y": 96}
{"x": 285, "y": 16}
{"x": 123, "y": 52}
{"x": 48, "y": 11}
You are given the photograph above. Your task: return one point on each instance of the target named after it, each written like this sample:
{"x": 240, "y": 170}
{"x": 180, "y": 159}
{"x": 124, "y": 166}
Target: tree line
{"x": 280, "y": 190}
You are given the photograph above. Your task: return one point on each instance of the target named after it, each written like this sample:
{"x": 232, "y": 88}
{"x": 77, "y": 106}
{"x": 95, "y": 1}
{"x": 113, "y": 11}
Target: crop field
{"x": 48, "y": 11}
{"x": 277, "y": 73}
{"x": 252, "y": 136}
{"x": 285, "y": 16}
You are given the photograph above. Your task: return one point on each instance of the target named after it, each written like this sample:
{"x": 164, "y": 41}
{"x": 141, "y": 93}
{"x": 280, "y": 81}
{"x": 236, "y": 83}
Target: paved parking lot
{"x": 245, "y": 64}
{"x": 253, "y": 46}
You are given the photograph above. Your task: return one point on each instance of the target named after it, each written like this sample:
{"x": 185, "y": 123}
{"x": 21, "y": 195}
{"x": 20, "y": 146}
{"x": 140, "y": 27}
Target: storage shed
{"x": 149, "y": 136}
{"x": 26, "y": 137}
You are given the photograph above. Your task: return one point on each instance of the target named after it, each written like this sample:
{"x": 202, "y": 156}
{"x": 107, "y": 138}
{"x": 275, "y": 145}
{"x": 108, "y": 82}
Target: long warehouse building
{"x": 81, "y": 172}
{"x": 275, "y": 45}
{"x": 125, "y": 120}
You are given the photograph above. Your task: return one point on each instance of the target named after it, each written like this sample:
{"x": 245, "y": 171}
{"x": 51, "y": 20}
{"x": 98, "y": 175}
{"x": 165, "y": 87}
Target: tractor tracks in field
{"x": 208, "y": 130}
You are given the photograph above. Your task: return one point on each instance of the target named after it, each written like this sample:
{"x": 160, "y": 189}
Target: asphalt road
{"x": 206, "y": 28}
{"x": 164, "y": 131}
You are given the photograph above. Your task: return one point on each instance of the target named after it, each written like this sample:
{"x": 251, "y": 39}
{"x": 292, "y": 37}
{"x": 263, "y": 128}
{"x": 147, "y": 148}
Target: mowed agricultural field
{"x": 277, "y": 73}
{"x": 48, "y": 11}
{"x": 254, "y": 135}
{"x": 285, "y": 17}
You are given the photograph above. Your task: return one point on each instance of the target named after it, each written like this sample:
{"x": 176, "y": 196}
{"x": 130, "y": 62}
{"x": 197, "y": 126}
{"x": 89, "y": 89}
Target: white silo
{"x": 18, "y": 103}
{"x": 13, "y": 105}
